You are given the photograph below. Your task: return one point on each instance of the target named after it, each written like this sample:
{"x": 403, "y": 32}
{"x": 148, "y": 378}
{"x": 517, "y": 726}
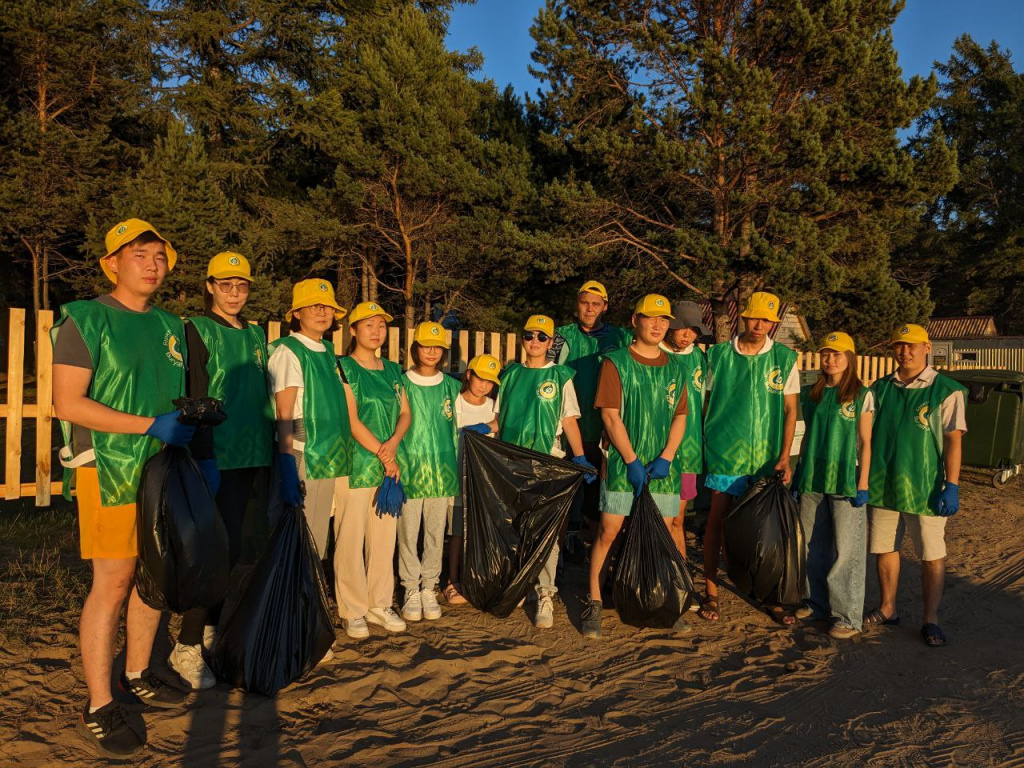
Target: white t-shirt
{"x": 792, "y": 383}
{"x": 424, "y": 381}
{"x": 286, "y": 371}
{"x": 570, "y": 410}
{"x": 954, "y": 408}
{"x": 466, "y": 413}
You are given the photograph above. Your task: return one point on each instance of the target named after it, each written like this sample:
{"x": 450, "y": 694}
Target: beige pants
{"x": 320, "y": 496}
{"x": 364, "y": 553}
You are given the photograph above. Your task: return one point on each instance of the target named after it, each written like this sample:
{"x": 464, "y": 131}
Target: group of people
{"x": 373, "y": 451}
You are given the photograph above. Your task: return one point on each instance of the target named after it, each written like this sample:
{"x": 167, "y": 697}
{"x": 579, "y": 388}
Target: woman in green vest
{"x": 832, "y": 480}
{"x": 430, "y": 473}
{"x": 365, "y": 535}
{"x": 227, "y": 361}
{"x": 536, "y": 406}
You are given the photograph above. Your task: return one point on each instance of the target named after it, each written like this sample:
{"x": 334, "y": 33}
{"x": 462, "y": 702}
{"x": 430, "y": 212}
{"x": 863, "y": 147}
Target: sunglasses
{"x": 538, "y": 335}
{"x": 241, "y": 287}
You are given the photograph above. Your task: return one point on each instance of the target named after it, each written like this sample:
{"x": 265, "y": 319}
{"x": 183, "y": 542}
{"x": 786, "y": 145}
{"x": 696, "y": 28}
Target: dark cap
{"x": 688, "y": 315}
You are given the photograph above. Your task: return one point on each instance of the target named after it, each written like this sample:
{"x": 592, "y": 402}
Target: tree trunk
{"x": 720, "y": 319}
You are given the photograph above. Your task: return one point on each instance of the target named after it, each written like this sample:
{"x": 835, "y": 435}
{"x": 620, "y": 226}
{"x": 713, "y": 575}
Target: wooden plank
{"x": 15, "y": 397}
{"x": 273, "y": 331}
{"x": 463, "y": 350}
{"x": 479, "y": 338}
{"x": 394, "y": 344}
{"x": 510, "y": 348}
{"x": 44, "y": 407}
{"x": 410, "y": 334}
{"x": 496, "y": 345}
{"x": 450, "y": 358}
{"x": 29, "y": 489}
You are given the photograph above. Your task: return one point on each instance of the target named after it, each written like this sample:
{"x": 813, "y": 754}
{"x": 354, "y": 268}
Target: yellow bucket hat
{"x": 763, "y": 306}
{"x": 486, "y": 367}
{"x": 654, "y": 305}
{"x": 309, "y": 293}
{"x": 123, "y": 233}
{"x": 367, "y": 309}
{"x": 431, "y": 335}
{"x": 592, "y": 286}
{"x": 910, "y": 334}
{"x": 838, "y": 341}
{"x": 541, "y": 323}
{"x": 229, "y": 264}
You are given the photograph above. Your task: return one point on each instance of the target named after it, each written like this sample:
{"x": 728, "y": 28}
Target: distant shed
{"x": 961, "y": 343}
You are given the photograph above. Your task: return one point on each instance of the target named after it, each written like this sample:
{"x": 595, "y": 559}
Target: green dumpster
{"x": 995, "y": 422}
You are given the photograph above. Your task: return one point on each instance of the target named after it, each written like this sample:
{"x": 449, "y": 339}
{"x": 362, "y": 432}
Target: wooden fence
{"x": 15, "y": 409}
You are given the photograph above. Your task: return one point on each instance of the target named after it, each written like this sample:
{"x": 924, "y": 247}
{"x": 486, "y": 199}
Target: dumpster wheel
{"x": 1004, "y": 477}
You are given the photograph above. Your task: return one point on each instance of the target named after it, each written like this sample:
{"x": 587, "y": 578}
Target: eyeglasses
{"x": 531, "y": 335}
{"x": 242, "y": 287}
{"x": 319, "y": 309}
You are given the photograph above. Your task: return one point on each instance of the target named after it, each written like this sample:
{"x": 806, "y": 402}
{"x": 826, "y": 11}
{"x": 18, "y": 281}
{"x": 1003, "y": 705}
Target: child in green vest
{"x": 227, "y": 361}
{"x": 643, "y": 399}
{"x": 474, "y": 412}
{"x": 749, "y": 425}
{"x": 380, "y": 417}
{"x": 118, "y": 367}
{"x": 832, "y": 480}
{"x": 536, "y": 406}
{"x": 685, "y": 328}
{"x": 430, "y": 473}
{"x": 915, "y": 474}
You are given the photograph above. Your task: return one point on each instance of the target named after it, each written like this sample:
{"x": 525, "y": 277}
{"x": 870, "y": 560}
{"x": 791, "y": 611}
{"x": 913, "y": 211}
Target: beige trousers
{"x": 364, "y": 553}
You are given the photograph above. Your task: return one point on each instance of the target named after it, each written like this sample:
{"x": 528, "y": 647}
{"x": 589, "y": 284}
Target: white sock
{"x": 132, "y": 675}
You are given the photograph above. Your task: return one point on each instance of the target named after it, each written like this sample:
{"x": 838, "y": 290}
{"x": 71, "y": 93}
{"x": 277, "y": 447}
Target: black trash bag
{"x": 764, "y": 544}
{"x": 183, "y": 544}
{"x": 652, "y": 587}
{"x": 276, "y": 624}
{"x": 515, "y": 501}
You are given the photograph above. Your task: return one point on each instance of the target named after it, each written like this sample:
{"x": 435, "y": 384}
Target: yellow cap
{"x": 654, "y": 305}
{"x": 838, "y": 341}
{"x": 592, "y": 286}
{"x": 229, "y": 264}
{"x": 431, "y": 335}
{"x": 486, "y": 367}
{"x": 910, "y": 334}
{"x": 122, "y": 234}
{"x": 309, "y": 293}
{"x": 541, "y": 323}
{"x": 367, "y": 309}
{"x": 762, "y": 306}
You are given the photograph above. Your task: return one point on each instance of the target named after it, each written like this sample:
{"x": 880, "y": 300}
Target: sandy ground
{"x": 470, "y": 690}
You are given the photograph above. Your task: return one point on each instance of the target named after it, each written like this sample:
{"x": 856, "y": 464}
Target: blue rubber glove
{"x": 289, "y": 470}
{"x": 949, "y": 500}
{"x": 590, "y": 476}
{"x": 167, "y": 429}
{"x": 211, "y": 474}
{"x": 636, "y": 474}
{"x": 658, "y": 469}
{"x": 480, "y": 429}
{"x": 860, "y": 499}
{"x": 390, "y": 498}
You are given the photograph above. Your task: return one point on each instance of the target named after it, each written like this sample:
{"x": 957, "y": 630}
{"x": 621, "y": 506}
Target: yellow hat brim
{"x": 758, "y": 315}
{"x": 433, "y": 343}
{"x": 354, "y": 318}
{"x": 229, "y": 273}
{"x": 339, "y": 312}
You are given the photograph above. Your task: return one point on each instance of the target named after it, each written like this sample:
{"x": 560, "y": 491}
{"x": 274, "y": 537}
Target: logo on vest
{"x": 547, "y": 390}
{"x": 774, "y": 382}
{"x": 698, "y": 379}
{"x": 922, "y": 417}
{"x": 670, "y": 394}
{"x": 398, "y": 391}
{"x": 446, "y": 408}
{"x": 173, "y": 349}
{"x": 848, "y": 411}
{"x": 257, "y": 353}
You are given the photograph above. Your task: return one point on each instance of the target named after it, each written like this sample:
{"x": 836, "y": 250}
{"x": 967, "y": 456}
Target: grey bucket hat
{"x": 688, "y": 315}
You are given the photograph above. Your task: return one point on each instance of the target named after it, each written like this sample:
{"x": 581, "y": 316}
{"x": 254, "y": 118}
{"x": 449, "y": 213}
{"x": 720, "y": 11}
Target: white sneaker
{"x": 210, "y": 638}
{"x": 356, "y": 628}
{"x": 187, "y": 661}
{"x": 387, "y": 618}
{"x": 545, "y": 617}
{"x": 431, "y": 610}
{"x": 413, "y": 608}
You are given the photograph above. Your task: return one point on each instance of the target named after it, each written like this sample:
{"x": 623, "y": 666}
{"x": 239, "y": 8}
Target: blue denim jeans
{"x": 835, "y": 536}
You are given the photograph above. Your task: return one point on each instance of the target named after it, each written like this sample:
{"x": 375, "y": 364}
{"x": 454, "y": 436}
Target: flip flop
{"x": 933, "y": 636}
{"x": 709, "y": 610}
{"x": 779, "y": 614}
{"x": 878, "y": 619}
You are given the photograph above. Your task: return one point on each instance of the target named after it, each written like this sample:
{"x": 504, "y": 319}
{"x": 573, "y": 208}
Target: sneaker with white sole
{"x": 108, "y": 730}
{"x": 431, "y": 610}
{"x": 412, "y": 609}
{"x": 187, "y": 661}
{"x": 387, "y": 618}
{"x": 356, "y": 628}
{"x": 545, "y": 616}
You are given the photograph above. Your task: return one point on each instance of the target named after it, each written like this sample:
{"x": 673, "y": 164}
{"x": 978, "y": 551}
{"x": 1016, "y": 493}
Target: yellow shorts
{"x": 106, "y": 532}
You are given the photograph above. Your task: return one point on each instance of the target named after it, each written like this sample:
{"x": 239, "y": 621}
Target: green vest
{"x": 328, "y": 451}
{"x": 828, "y": 455}
{"x": 237, "y": 367}
{"x": 531, "y": 405}
{"x": 379, "y": 402}
{"x": 746, "y": 410}
{"x": 691, "y": 450}
{"x": 138, "y": 368}
{"x": 649, "y": 398}
{"x": 428, "y": 450}
{"x": 907, "y": 472}
{"x": 585, "y": 355}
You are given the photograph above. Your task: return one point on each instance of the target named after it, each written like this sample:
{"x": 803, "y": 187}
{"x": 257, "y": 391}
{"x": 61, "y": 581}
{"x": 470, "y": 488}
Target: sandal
{"x": 453, "y": 595}
{"x": 878, "y": 619}
{"x": 781, "y": 616}
{"x": 933, "y": 636}
{"x": 709, "y": 610}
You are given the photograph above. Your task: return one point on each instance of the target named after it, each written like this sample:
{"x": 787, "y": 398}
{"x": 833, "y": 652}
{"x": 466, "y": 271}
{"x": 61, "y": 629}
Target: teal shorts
{"x": 734, "y": 485}
{"x": 619, "y": 502}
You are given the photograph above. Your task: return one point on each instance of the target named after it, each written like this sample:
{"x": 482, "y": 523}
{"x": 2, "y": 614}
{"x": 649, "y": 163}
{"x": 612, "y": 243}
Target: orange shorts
{"x": 106, "y": 532}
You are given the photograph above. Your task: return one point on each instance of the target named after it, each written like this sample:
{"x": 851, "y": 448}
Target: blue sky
{"x": 924, "y": 32}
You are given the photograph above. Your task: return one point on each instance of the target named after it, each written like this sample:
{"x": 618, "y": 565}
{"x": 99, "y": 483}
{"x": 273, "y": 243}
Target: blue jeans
{"x": 835, "y": 541}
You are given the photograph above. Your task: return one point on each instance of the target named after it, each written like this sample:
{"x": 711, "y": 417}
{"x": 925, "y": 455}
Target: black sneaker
{"x": 592, "y": 618}
{"x": 154, "y": 692}
{"x": 108, "y": 730}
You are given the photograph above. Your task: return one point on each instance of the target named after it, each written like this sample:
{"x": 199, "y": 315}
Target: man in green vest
{"x": 580, "y": 346}
{"x": 750, "y": 421}
{"x": 118, "y": 366}
{"x": 915, "y": 474}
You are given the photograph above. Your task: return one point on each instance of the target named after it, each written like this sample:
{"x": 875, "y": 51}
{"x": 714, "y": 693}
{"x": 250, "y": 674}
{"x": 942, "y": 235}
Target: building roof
{"x": 971, "y": 327}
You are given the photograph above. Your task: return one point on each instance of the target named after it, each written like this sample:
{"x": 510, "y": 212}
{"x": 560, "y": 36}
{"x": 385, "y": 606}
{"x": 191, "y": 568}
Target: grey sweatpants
{"x": 415, "y": 572}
